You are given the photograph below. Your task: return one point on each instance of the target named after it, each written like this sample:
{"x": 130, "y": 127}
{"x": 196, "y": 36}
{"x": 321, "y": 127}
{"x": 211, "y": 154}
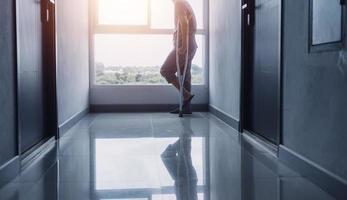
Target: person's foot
{"x": 188, "y": 100}
{"x": 185, "y": 111}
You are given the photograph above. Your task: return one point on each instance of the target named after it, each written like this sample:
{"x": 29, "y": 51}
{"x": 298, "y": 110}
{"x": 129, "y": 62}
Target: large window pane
{"x": 123, "y": 12}
{"x": 198, "y": 7}
{"x": 136, "y": 59}
{"x": 162, "y": 13}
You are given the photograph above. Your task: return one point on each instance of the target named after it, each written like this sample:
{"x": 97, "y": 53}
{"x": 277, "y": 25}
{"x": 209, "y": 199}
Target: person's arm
{"x": 184, "y": 24}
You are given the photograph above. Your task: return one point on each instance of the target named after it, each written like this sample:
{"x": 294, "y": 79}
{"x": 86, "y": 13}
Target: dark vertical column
{"x": 30, "y": 98}
{"x": 49, "y": 66}
{"x": 8, "y": 133}
{"x": 37, "y": 71}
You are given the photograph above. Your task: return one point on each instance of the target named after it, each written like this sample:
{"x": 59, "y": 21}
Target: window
{"x": 123, "y": 12}
{"x": 132, "y": 39}
{"x": 162, "y": 13}
{"x": 326, "y": 25}
{"x": 138, "y": 60}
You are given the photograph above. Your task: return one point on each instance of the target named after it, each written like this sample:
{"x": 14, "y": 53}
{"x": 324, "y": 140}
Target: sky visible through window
{"x": 137, "y": 50}
{"x": 123, "y": 12}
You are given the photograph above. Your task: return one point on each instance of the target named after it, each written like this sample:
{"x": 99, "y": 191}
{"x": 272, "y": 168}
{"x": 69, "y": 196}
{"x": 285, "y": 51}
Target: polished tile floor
{"x": 157, "y": 156}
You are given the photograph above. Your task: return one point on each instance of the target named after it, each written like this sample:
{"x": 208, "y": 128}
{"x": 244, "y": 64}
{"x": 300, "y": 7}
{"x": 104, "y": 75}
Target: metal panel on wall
{"x": 262, "y": 74}
{"x": 8, "y": 135}
{"x": 29, "y": 39}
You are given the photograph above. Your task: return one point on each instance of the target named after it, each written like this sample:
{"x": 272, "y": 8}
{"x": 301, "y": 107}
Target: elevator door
{"x": 34, "y": 80}
{"x": 263, "y": 22}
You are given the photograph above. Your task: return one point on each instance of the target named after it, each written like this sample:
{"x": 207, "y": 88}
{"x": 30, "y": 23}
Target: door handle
{"x": 248, "y": 19}
{"x": 45, "y": 12}
{"x": 47, "y": 15}
{"x": 248, "y": 15}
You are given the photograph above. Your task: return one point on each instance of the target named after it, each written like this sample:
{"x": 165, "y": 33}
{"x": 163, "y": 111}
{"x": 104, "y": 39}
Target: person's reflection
{"x": 178, "y": 161}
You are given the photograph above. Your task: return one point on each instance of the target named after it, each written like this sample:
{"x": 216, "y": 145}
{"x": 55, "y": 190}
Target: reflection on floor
{"x": 157, "y": 156}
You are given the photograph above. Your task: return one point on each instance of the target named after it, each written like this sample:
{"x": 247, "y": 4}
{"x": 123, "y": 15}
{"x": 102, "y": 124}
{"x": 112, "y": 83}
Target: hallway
{"x": 156, "y": 156}
{"x": 86, "y": 88}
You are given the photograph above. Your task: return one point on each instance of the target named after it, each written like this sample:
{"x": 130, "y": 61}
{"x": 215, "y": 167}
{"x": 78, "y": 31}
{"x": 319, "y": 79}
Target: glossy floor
{"x": 157, "y": 156}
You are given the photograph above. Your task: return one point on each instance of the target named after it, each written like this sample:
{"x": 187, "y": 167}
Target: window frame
{"x": 96, "y": 28}
{"x": 330, "y": 45}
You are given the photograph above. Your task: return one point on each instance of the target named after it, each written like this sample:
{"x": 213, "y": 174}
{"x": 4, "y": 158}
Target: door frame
{"x": 244, "y": 66}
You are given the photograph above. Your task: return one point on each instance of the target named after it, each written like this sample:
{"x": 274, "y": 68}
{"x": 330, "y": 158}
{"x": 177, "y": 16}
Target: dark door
{"x": 34, "y": 91}
{"x": 261, "y": 54}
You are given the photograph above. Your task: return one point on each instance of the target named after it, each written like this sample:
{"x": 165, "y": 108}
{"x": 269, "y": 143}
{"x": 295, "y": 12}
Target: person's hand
{"x": 182, "y": 50}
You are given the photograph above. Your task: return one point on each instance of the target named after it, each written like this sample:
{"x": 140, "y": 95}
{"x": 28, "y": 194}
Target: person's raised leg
{"x": 186, "y": 93}
{"x": 168, "y": 71}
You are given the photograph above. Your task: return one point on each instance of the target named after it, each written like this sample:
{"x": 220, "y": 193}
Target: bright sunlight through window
{"x": 123, "y": 12}
{"x": 132, "y": 39}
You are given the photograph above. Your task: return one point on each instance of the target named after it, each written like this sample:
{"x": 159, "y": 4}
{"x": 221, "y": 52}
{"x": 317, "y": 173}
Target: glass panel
{"x": 136, "y": 59}
{"x": 123, "y": 12}
{"x": 162, "y": 13}
{"x": 326, "y": 25}
{"x": 198, "y": 7}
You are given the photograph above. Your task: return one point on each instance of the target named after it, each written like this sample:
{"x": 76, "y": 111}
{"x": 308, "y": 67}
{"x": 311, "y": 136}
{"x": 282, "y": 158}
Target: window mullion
{"x": 149, "y": 14}
{"x": 109, "y": 29}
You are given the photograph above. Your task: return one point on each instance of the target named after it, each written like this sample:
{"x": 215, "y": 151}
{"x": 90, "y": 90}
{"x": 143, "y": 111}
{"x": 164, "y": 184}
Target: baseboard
{"x": 71, "y": 122}
{"x": 40, "y": 164}
{"x": 143, "y": 108}
{"x": 328, "y": 181}
{"x": 225, "y": 117}
{"x": 9, "y": 170}
{"x": 259, "y": 143}
{"x": 35, "y": 152}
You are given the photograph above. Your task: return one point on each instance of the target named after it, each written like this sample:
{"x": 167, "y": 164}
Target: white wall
{"x": 72, "y": 58}
{"x": 225, "y": 56}
{"x": 150, "y": 94}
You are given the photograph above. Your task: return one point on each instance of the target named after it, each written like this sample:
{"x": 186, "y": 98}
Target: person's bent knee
{"x": 170, "y": 77}
{"x": 162, "y": 72}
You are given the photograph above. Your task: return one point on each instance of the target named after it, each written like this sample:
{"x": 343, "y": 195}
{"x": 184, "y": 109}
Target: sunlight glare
{"x": 123, "y": 12}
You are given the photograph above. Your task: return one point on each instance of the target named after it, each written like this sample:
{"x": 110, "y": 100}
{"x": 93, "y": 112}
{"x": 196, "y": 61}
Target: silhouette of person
{"x": 185, "y": 29}
{"x": 178, "y": 161}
